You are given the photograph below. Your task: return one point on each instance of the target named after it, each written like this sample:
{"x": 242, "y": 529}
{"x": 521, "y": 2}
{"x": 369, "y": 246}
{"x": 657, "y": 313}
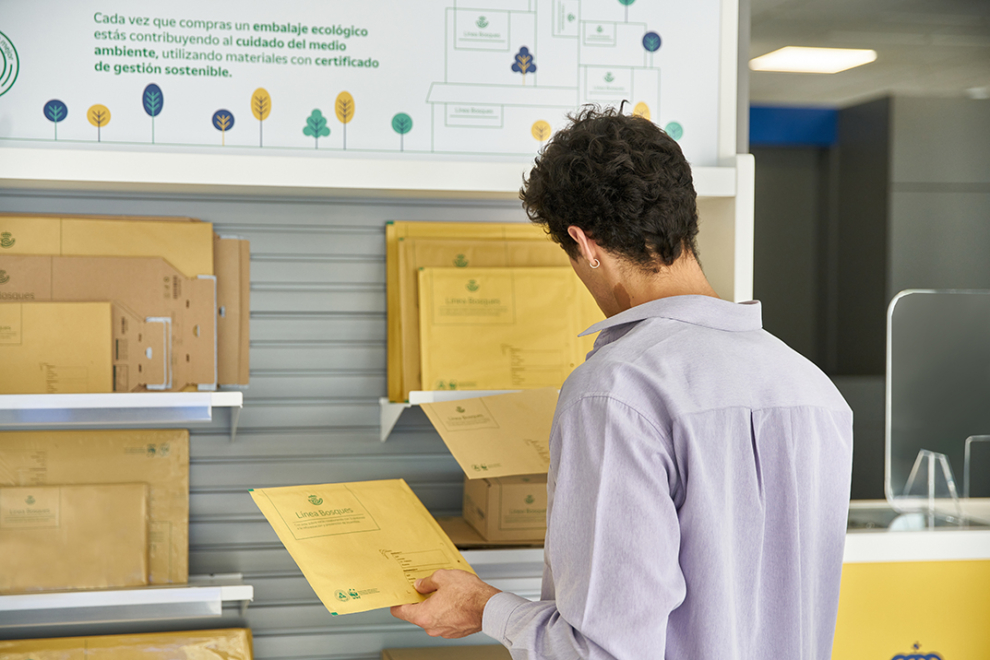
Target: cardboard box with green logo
{"x": 502, "y": 444}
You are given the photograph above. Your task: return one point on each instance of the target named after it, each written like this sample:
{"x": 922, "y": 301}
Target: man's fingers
{"x": 427, "y": 585}
{"x": 405, "y": 612}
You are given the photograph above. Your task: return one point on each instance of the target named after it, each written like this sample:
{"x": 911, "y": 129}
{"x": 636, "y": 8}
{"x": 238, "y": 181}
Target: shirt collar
{"x": 698, "y": 310}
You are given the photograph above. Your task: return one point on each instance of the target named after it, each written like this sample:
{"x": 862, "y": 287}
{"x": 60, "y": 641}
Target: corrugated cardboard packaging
{"x": 157, "y": 457}
{"x": 232, "y": 260}
{"x": 396, "y": 230}
{"x": 188, "y": 246}
{"x": 502, "y": 443}
{"x": 73, "y": 537}
{"x": 48, "y": 348}
{"x": 228, "y": 644}
{"x": 507, "y": 508}
{"x": 151, "y": 290}
{"x": 486, "y": 652}
{"x": 466, "y": 537}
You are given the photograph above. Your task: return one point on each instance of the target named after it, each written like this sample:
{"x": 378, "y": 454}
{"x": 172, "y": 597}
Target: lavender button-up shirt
{"x": 699, "y": 483}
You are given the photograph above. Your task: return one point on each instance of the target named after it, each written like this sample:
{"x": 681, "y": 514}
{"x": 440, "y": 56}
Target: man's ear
{"x": 587, "y": 246}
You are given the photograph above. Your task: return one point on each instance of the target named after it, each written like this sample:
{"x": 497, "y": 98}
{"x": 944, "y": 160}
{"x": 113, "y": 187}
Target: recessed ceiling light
{"x": 796, "y": 59}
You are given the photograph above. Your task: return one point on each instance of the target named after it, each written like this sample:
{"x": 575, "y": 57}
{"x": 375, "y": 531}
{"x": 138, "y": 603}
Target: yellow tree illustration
{"x": 540, "y": 130}
{"x": 261, "y": 107}
{"x": 99, "y": 116}
{"x": 344, "y": 107}
{"x": 641, "y": 110}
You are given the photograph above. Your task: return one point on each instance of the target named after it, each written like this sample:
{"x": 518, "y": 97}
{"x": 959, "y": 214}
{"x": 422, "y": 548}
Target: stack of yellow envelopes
{"x": 474, "y": 346}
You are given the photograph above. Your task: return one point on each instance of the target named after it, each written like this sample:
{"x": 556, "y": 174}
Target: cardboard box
{"x": 157, "y": 457}
{"x": 229, "y": 644}
{"x": 152, "y": 291}
{"x": 48, "y": 348}
{"x": 187, "y": 246}
{"x": 73, "y": 537}
{"x": 507, "y": 508}
{"x": 466, "y": 537}
{"x": 232, "y": 260}
{"x": 486, "y": 652}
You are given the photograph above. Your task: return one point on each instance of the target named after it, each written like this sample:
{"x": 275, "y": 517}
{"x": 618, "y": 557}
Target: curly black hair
{"x": 623, "y": 181}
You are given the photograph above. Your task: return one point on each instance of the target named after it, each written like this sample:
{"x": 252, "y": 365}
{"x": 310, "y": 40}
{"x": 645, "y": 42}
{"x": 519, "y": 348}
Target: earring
{"x": 594, "y": 263}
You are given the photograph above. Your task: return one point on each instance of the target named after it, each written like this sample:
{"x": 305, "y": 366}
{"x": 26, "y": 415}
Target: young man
{"x": 700, "y": 468}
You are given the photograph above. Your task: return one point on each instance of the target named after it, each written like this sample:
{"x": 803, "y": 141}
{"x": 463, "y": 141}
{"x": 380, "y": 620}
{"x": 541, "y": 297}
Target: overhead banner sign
{"x": 473, "y": 79}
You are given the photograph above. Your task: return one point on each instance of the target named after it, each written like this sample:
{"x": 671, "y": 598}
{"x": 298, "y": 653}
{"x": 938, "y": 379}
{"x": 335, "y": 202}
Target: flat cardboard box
{"x": 226, "y": 644}
{"x": 158, "y": 457}
{"x": 416, "y": 253}
{"x": 395, "y": 230}
{"x": 502, "y": 328}
{"x": 486, "y": 652}
{"x": 232, "y": 259}
{"x": 188, "y": 246}
{"x": 466, "y": 537}
{"x": 49, "y": 348}
{"x": 73, "y": 537}
{"x": 148, "y": 287}
{"x": 508, "y": 508}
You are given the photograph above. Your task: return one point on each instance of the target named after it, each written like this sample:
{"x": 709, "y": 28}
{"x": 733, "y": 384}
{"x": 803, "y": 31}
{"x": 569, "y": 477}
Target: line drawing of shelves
{"x": 117, "y": 409}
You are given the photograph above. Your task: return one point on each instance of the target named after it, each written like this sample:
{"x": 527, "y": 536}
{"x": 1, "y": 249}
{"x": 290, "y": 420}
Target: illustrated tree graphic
{"x": 223, "y": 121}
{"x": 153, "y": 101}
{"x": 523, "y": 63}
{"x": 99, "y": 116}
{"x": 261, "y": 107}
{"x": 55, "y": 111}
{"x": 540, "y": 130}
{"x": 641, "y": 110}
{"x": 344, "y": 108}
{"x": 626, "y": 3}
{"x": 316, "y": 127}
{"x": 402, "y": 124}
{"x": 651, "y": 42}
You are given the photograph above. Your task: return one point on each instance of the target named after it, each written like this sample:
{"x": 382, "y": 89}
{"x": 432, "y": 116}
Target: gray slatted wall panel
{"x": 311, "y": 414}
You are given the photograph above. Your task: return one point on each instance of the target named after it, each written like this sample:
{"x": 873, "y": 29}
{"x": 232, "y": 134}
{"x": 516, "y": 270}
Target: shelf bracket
{"x": 235, "y": 416}
{"x": 390, "y": 413}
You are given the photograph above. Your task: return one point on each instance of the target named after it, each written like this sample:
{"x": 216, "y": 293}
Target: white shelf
{"x": 391, "y": 412}
{"x": 201, "y": 598}
{"x": 118, "y": 409}
{"x": 339, "y": 176}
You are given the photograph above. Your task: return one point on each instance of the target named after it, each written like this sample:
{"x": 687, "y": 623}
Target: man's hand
{"x": 454, "y": 609}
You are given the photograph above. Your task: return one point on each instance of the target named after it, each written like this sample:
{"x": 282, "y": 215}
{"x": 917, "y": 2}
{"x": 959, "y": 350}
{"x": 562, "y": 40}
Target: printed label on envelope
{"x": 309, "y": 516}
{"x": 29, "y": 508}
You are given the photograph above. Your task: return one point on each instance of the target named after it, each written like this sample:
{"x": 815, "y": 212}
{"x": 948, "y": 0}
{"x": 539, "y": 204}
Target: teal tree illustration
{"x": 626, "y": 3}
{"x": 55, "y": 111}
{"x": 153, "y": 101}
{"x": 523, "y": 63}
{"x": 402, "y": 124}
{"x": 651, "y": 42}
{"x": 316, "y": 127}
{"x": 223, "y": 121}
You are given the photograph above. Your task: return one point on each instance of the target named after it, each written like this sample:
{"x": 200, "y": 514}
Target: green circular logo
{"x": 674, "y": 130}
{"x": 10, "y": 64}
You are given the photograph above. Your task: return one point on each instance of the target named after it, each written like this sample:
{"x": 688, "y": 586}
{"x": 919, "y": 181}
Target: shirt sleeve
{"x": 612, "y": 543}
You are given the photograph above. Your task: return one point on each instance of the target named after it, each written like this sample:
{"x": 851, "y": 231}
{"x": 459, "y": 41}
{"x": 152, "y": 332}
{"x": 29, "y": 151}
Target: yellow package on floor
{"x": 55, "y": 348}
{"x": 188, "y": 246}
{"x": 416, "y": 253}
{"x": 229, "y": 644}
{"x": 502, "y": 328}
{"x": 157, "y": 457}
{"x": 73, "y": 537}
{"x": 396, "y": 230}
{"x": 360, "y": 545}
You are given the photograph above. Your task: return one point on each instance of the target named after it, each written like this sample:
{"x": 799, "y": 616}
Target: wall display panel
{"x": 466, "y": 79}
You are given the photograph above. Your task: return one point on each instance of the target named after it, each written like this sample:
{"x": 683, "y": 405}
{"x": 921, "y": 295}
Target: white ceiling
{"x": 924, "y": 48}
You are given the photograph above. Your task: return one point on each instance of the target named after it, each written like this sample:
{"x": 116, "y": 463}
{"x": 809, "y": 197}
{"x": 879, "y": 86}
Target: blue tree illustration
{"x": 316, "y": 127}
{"x": 523, "y": 63}
{"x": 626, "y": 3}
{"x": 223, "y": 121}
{"x": 651, "y": 42}
{"x": 402, "y": 124}
{"x": 153, "y": 101}
{"x": 55, "y": 111}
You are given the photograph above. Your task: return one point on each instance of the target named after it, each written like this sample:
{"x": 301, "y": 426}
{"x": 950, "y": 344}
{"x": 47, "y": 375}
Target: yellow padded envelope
{"x": 360, "y": 545}
{"x": 56, "y": 348}
{"x": 502, "y": 328}
{"x": 225, "y": 644}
